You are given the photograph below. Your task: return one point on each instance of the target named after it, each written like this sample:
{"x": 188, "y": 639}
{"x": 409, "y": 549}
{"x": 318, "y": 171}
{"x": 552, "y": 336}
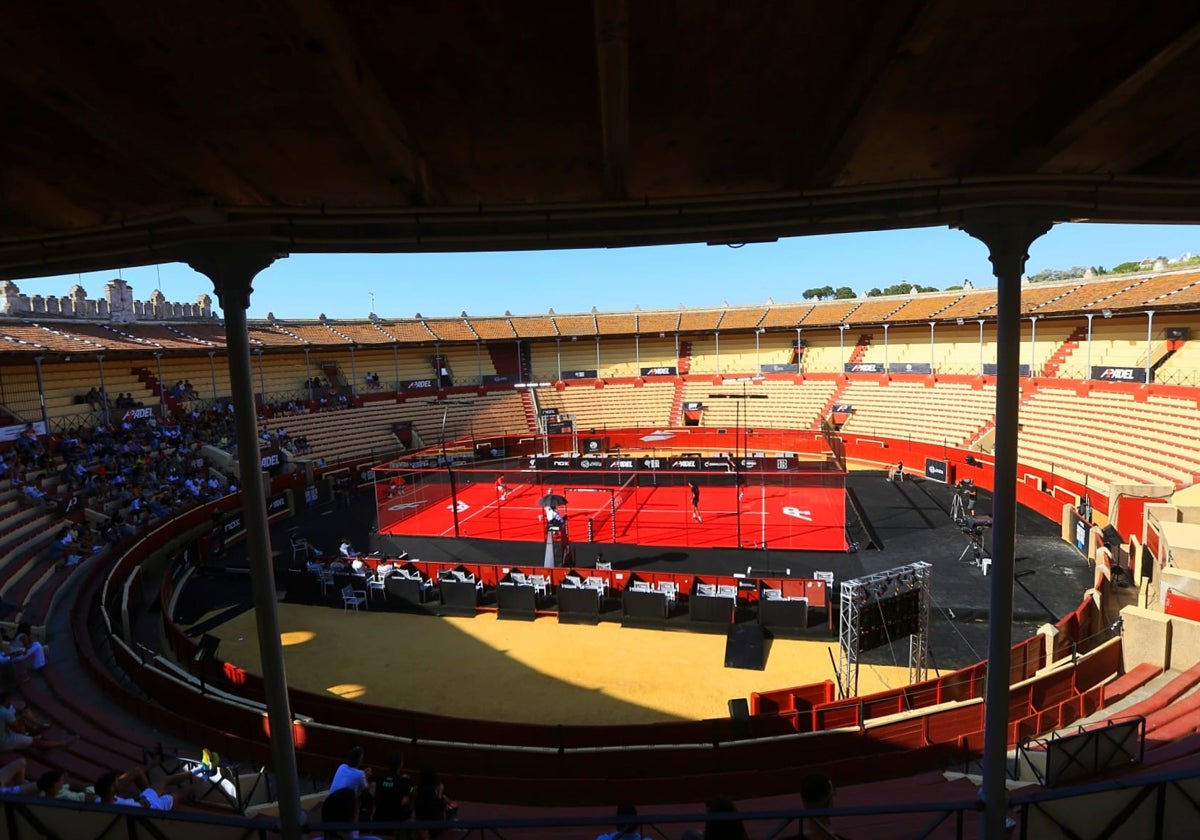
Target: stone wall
{"x": 117, "y": 305}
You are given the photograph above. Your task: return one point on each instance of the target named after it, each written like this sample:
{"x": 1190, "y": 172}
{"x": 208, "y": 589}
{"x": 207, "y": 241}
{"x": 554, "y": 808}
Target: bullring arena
{"x": 874, "y": 561}
{"x": 528, "y": 698}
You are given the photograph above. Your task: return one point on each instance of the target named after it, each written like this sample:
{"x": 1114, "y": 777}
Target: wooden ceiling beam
{"x": 1055, "y": 153}
{"x": 370, "y": 115}
{"x": 842, "y": 130}
{"x": 159, "y": 148}
{"x": 29, "y": 197}
{"x": 612, "y": 71}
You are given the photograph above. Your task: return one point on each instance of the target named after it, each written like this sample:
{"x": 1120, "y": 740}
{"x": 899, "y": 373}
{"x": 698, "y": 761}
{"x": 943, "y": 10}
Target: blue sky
{"x": 340, "y": 286}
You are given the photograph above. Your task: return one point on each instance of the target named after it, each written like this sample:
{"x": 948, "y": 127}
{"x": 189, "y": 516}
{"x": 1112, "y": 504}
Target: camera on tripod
{"x": 974, "y": 525}
{"x": 962, "y": 507}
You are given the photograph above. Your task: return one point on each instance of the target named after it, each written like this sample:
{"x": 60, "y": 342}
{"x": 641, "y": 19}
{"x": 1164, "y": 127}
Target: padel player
{"x": 695, "y": 500}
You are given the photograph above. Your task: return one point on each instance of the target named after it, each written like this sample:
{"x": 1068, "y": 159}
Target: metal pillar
{"x": 262, "y": 379}
{"x": 981, "y": 347}
{"x": 1033, "y": 319}
{"x": 212, "y": 372}
{"x": 37, "y": 369}
{"x": 104, "y": 398}
{"x": 1149, "y": 333}
{"x": 353, "y": 373}
{"x": 162, "y": 392}
{"x": 395, "y": 368}
{"x": 918, "y": 648}
{"x": 932, "y": 324}
{"x": 307, "y": 376}
{"x": 231, "y": 268}
{"x": 885, "y": 349}
{"x": 1087, "y": 373}
{"x": 1007, "y": 236}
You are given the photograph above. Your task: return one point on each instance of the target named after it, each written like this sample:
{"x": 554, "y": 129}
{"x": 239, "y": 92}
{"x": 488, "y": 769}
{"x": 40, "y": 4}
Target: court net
{"x": 605, "y": 519}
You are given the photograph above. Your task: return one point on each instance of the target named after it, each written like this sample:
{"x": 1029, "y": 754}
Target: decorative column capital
{"x": 232, "y": 267}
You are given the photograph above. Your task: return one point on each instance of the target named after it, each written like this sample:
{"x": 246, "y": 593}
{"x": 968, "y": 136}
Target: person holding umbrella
{"x": 551, "y": 501}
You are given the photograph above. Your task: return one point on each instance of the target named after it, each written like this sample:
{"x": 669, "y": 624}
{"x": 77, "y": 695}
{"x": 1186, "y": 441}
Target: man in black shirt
{"x": 392, "y": 794}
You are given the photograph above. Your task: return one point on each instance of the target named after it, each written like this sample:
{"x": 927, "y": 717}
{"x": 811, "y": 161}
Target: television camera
{"x": 962, "y": 507}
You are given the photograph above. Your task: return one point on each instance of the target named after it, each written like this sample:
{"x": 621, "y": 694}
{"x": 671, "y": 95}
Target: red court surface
{"x": 798, "y": 518}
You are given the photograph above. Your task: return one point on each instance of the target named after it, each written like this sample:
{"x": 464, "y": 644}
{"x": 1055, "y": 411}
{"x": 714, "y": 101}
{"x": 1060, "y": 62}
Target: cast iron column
{"x": 1007, "y": 237}
{"x": 231, "y": 268}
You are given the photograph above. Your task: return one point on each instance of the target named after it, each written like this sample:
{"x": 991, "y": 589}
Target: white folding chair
{"x": 668, "y": 588}
{"x": 375, "y": 583}
{"x": 541, "y": 584}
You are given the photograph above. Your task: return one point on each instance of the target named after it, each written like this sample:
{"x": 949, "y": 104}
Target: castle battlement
{"x": 117, "y": 305}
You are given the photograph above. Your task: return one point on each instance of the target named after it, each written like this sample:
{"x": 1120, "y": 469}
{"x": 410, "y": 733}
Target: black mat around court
{"x": 910, "y": 521}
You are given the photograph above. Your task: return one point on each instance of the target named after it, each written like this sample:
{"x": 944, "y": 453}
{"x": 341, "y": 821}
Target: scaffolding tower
{"x": 872, "y": 591}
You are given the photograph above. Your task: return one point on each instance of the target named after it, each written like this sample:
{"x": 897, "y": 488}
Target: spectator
{"x": 154, "y": 796}
{"x": 10, "y": 736}
{"x": 816, "y": 791}
{"x": 350, "y": 775}
{"x": 12, "y": 779}
{"x": 393, "y": 793}
{"x": 341, "y": 806}
{"x": 627, "y": 824}
{"x": 721, "y": 824}
{"x": 24, "y": 652}
{"x": 346, "y": 550}
{"x": 52, "y": 785}
{"x": 896, "y": 473}
{"x": 429, "y": 800}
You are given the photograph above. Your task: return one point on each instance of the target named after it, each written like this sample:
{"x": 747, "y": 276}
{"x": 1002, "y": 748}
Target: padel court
{"x": 796, "y": 511}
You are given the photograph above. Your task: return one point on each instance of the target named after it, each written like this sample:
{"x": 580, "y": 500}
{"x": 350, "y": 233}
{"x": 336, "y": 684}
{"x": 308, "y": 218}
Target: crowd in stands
{"x": 353, "y": 797}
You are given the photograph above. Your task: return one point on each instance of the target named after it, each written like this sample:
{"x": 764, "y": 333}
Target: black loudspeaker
{"x": 1111, "y": 538}
{"x": 593, "y": 446}
{"x": 739, "y": 714}
{"x": 207, "y": 649}
{"x": 972, "y": 461}
{"x": 1147, "y": 564}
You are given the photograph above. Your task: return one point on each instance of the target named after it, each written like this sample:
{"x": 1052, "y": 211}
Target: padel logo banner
{"x": 1119, "y": 374}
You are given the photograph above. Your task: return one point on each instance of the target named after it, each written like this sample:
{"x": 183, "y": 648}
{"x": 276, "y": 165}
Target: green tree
{"x": 844, "y": 293}
{"x": 875, "y": 292}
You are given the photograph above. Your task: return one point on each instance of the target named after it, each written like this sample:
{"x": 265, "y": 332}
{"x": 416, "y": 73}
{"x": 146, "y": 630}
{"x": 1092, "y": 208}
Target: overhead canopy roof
{"x": 357, "y": 126}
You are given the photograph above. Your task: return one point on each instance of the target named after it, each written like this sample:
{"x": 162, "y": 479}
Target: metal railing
{"x": 1164, "y": 805}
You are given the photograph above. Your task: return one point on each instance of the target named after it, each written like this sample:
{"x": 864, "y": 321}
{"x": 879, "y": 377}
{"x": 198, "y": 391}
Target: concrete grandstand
{"x": 920, "y": 395}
